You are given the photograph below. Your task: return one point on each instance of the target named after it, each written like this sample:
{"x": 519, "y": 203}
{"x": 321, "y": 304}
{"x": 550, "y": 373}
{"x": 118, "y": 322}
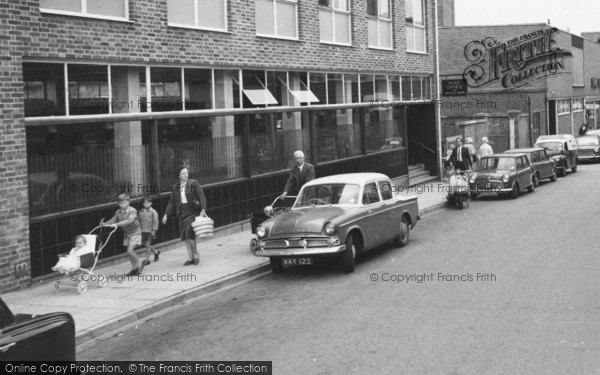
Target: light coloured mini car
{"x": 337, "y": 217}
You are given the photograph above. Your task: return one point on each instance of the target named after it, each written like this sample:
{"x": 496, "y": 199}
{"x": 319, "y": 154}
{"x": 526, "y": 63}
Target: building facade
{"x": 106, "y": 97}
{"x": 513, "y": 83}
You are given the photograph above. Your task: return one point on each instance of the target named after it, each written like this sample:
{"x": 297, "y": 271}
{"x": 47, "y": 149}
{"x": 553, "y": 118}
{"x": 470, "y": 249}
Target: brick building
{"x": 513, "y": 83}
{"x": 105, "y": 97}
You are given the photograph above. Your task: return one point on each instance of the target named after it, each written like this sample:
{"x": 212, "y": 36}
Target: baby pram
{"x": 257, "y": 218}
{"x": 80, "y": 266}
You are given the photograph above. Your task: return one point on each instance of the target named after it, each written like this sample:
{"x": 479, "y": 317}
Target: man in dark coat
{"x": 461, "y": 156}
{"x": 300, "y": 174}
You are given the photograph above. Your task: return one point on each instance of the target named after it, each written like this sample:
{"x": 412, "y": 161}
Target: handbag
{"x": 197, "y": 204}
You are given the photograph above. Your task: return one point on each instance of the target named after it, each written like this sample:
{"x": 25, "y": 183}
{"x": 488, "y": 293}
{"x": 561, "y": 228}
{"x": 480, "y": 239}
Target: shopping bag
{"x": 203, "y": 227}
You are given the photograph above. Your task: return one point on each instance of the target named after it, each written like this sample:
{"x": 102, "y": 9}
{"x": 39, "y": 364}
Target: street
{"x": 503, "y": 286}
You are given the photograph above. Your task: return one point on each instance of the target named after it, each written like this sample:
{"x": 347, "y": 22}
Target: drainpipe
{"x": 438, "y": 99}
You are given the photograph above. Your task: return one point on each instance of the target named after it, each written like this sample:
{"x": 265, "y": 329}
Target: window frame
{"x": 417, "y": 26}
{"x": 579, "y": 107}
{"x": 560, "y": 107}
{"x": 333, "y": 10}
{"x": 85, "y": 14}
{"x": 578, "y": 76}
{"x": 196, "y": 26}
{"x": 366, "y": 192}
{"x": 380, "y": 20}
{"x": 276, "y": 36}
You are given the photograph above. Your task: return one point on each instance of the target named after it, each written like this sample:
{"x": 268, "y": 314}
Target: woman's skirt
{"x": 187, "y": 215}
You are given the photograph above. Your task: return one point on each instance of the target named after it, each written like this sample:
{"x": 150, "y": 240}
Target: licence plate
{"x": 297, "y": 261}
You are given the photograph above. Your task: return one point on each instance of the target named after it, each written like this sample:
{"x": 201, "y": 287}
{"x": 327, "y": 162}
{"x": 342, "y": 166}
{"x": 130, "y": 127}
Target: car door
{"x": 372, "y": 220}
{"x": 390, "y": 213}
{"x": 523, "y": 172}
{"x": 545, "y": 164}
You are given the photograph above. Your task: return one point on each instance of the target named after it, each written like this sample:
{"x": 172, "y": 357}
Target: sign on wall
{"x": 454, "y": 87}
{"x": 516, "y": 62}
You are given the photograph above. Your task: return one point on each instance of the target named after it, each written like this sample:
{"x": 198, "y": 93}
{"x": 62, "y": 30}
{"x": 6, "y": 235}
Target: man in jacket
{"x": 300, "y": 174}
{"x": 461, "y": 156}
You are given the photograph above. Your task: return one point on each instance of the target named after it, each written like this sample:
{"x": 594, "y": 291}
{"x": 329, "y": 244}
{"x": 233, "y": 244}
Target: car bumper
{"x": 311, "y": 251}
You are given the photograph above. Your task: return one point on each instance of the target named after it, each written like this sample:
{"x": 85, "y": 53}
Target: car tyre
{"x": 404, "y": 234}
{"x": 563, "y": 172}
{"x": 553, "y": 177}
{"x": 349, "y": 255}
{"x": 514, "y": 194}
{"x": 253, "y": 243}
{"x": 276, "y": 265}
{"x": 536, "y": 180}
{"x": 531, "y": 187}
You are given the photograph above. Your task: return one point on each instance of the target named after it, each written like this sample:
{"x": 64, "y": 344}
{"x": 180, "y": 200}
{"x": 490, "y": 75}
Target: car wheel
{"x": 253, "y": 243}
{"x": 531, "y": 186}
{"x": 82, "y": 287}
{"x": 514, "y": 194}
{"x": 536, "y": 179}
{"x": 348, "y": 255}
{"x": 402, "y": 239}
{"x": 563, "y": 172}
{"x": 574, "y": 168}
{"x": 553, "y": 177}
{"x": 276, "y": 265}
{"x": 56, "y": 287}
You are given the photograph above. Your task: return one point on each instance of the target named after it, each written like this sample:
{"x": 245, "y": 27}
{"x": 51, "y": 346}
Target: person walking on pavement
{"x": 300, "y": 174}
{"x": 187, "y": 201}
{"x": 472, "y": 151}
{"x": 485, "y": 148}
{"x": 461, "y": 156}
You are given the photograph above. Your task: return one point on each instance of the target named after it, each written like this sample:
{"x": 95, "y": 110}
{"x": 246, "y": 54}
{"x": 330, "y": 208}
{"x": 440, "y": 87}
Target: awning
{"x": 304, "y": 96}
{"x": 260, "y": 97}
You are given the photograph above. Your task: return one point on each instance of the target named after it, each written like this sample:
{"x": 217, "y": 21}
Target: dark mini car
{"x": 499, "y": 174}
{"x": 562, "y": 152}
{"x": 588, "y": 147}
{"x": 337, "y": 217}
{"x": 47, "y": 337}
{"x": 541, "y": 163}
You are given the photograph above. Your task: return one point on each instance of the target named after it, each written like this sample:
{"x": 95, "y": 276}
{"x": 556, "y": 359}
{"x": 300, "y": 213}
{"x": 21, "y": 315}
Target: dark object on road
{"x": 337, "y": 217}
{"x": 499, "y": 174}
{"x": 24, "y": 337}
{"x": 541, "y": 163}
{"x": 563, "y": 151}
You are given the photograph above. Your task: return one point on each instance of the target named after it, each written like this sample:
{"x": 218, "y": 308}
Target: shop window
{"x": 335, "y": 88}
{"x": 277, "y": 18}
{"x": 44, "y": 89}
{"x": 255, "y": 91}
{"x": 108, "y": 9}
{"x": 384, "y": 130}
{"x": 227, "y": 89}
{"x": 351, "y": 88}
{"x": 318, "y": 86}
{"x": 88, "y": 89}
{"x": 201, "y": 14}
{"x": 564, "y": 106}
{"x": 415, "y": 26}
{"x": 577, "y": 105}
{"x": 338, "y": 134}
{"x": 406, "y": 88}
{"x": 334, "y": 18}
{"x": 198, "y": 89}
{"x": 417, "y": 89}
{"x": 367, "y": 93}
{"x": 379, "y": 20}
{"x": 165, "y": 89}
{"x": 382, "y": 91}
{"x": 277, "y": 85}
{"x": 299, "y": 91}
{"x": 395, "y": 87}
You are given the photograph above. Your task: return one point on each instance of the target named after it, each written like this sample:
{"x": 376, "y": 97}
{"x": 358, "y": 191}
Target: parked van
{"x": 569, "y": 138}
{"x": 562, "y": 149}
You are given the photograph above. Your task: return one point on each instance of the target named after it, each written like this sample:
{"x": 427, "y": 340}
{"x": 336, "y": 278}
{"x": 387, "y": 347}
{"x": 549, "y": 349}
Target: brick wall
{"x": 446, "y": 13}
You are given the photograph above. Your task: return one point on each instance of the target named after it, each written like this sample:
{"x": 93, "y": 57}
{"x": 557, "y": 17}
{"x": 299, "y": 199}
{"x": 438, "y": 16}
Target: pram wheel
{"x": 82, "y": 287}
{"x": 56, "y": 287}
{"x": 253, "y": 244}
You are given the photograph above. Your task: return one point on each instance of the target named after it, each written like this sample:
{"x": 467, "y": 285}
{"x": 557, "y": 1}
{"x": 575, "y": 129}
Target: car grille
{"x": 312, "y": 242}
{"x": 489, "y": 185}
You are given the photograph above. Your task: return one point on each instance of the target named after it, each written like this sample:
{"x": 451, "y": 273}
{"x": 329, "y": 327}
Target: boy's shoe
{"x": 146, "y": 262}
{"x": 196, "y": 261}
{"x": 156, "y": 256}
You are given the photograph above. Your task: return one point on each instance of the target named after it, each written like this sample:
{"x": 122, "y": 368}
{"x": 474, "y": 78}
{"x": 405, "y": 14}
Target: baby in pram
{"x": 70, "y": 262}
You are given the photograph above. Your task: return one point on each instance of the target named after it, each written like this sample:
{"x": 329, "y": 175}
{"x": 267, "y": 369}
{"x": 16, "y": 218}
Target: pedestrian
{"x": 127, "y": 219}
{"x": 300, "y": 174}
{"x": 461, "y": 156}
{"x": 485, "y": 148}
{"x": 472, "y": 152}
{"x": 583, "y": 129}
{"x": 187, "y": 201}
{"x": 149, "y": 224}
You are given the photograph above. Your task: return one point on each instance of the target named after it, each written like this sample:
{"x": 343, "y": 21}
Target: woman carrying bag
{"x": 187, "y": 201}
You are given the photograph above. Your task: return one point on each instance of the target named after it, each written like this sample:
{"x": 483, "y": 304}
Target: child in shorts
{"x": 149, "y": 223}
{"x": 126, "y": 217}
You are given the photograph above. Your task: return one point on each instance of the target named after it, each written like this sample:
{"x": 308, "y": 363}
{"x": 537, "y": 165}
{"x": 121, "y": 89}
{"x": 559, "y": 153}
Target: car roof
{"x": 348, "y": 178}
{"x": 556, "y": 136}
{"x": 523, "y": 150}
{"x": 593, "y": 136}
{"x": 511, "y": 155}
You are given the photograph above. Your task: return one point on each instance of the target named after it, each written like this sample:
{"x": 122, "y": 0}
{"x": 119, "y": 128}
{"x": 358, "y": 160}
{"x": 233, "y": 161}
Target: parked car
{"x": 593, "y": 132}
{"x": 588, "y": 147}
{"x": 569, "y": 138}
{"x": 47, "y": 337}
{"x": 559, "y": 151}
{"x": 499, "y": 174}
{"x": 541, "y": 163}
{"x": 337, "y": 217}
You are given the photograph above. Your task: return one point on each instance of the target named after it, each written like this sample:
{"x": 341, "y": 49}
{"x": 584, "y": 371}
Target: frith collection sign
{"x": 514, "y": 63}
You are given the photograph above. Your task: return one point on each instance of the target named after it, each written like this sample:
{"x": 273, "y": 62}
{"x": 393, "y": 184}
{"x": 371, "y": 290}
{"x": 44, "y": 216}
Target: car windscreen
{"x": 552, "y": 146}
{"x": 588, "y": 141}
{"x": 328, "y": 194}
{"x": 496, "y": 163}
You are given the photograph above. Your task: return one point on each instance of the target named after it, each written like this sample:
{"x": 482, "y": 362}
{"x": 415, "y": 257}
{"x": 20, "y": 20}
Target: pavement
{"x": 225, "y": 262}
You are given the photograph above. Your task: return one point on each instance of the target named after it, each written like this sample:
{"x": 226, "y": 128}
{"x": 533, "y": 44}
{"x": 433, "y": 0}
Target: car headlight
{"x": 261, "y": 232}
{"x": 329, "y": 229}
{"x": 505, "y": 178}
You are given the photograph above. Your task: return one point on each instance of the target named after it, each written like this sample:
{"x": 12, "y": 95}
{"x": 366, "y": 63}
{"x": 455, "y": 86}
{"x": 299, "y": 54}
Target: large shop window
{"x": 335, "y": 88}
{"x": 379, "y": 23}
{"x": 416, "y": 88}
{"x": 227, "y": 89}
{"x": 255, "y": 90}
{"x": 384, "y": 130}
{"x": 165, "y": 89}
{"x": 200, "y": 14}
{"x": 44, "y": 89}
{"x": 334, "y": 21}
{"x": 273, "y": 139}
{"x": 318, "y": 85}
{"x": 367, "y": 88}
{"x": 577, "y": 105}
{"x": 107, "y": 9}
{"x": 277, "y": 18}
{"x": 415, "y": 26}
{"x": 198, "y": 89}
{"x": 88, "y": 89}
{"x": 337, "y": 134}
